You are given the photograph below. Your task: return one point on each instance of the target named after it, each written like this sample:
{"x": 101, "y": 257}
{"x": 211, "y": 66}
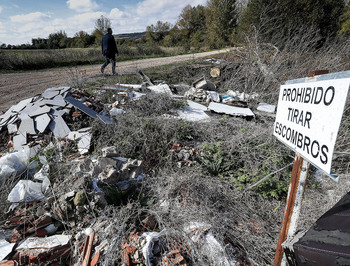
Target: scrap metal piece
{"x": 105, "y": 119}
{"x": 59, "y": 127}
{"x": 143, "y": 75}
{"x": 230, "y": 110}
{"x": 82, "y": 107}
{"x": 326, "y": 242}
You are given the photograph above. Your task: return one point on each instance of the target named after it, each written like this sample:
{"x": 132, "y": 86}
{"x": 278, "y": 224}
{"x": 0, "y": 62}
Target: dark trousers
{"x": 110, "y": 58}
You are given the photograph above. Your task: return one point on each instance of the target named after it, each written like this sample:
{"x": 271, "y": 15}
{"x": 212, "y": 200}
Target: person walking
{"x": 109, "y": 49}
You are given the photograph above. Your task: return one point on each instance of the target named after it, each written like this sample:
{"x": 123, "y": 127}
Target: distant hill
{"x": 130, "y": 36}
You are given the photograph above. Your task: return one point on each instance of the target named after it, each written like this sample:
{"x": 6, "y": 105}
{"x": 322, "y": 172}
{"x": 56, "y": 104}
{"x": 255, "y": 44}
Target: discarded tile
{"x": 27, "y": 125}
{"x": 190, "y": 114}
{"x": 39, "y": 111}
{"x": 81, "y": 106}
{"x": 83, "y": 139}
{"x": 45, "y": 243}
{"x": 64, "y": 89}
{"x": 12, "y": 128}
{"x": 160, "y": 88}
{"x": 57, "y": 101}
{"x": 41, "y": 122}
{"x": 230, "y": 110}
{"x": 59, "y": 127}
{"x": 19, "y": 140}
{"x": 264, "y": 107}
{"x": 49, "y": 94}
{"x": 5, "y": 248}
{"x": 58, "y": 112}
{"x": 20, "y": 106}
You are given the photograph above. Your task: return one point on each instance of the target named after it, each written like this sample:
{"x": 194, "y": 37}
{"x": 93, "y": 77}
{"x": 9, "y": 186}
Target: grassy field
{"x": 41, "y": 59}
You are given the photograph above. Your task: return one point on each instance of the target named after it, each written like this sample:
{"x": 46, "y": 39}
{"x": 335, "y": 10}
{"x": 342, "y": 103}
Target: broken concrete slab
{"x": 230, "y": 110}
{"x": 82, "y": 107}
{"x": 57, "y": 101}
{"x": 203, "y": 84}
{"x": 41, "y": 122}
{"x": 49, "y": 94}
{"x": 197, "y": 106}
{"x": 83, "y": 139}
{"x": 190, "y": 114}
{"x": 265, "y": 107}
{"x": 45, "y": 243}
{"x": 5, "y": 248}
{"x": 20, "y": 106}
{"x": 160, "y": 88}
{"x": 58, "y": 112}
{"x": 39, "y": 111}
{"x": 59, "y": 127}
{"x": 27, "y": 125}
{"x": 12, "y": 128}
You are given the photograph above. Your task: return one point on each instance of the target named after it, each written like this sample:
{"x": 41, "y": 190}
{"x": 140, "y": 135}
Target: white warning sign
{"x": 308, "y": 118}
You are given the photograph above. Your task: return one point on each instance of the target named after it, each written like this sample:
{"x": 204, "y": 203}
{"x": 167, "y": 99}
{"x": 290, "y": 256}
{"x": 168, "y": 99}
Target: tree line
{"x": 223, "y": 22}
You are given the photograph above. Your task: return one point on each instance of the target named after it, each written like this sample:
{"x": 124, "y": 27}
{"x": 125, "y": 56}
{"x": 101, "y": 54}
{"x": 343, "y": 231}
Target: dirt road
{"x": 18, "y": 86}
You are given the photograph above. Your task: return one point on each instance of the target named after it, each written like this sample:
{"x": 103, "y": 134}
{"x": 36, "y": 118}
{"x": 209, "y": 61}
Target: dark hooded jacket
{"x": 109, "y": 47}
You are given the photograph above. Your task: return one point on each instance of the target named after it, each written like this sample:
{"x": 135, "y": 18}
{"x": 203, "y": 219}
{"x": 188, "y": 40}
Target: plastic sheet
{"x": 13, "y": 164}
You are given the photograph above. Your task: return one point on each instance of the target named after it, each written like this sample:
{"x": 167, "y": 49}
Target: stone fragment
{"x": 79, "y": 198}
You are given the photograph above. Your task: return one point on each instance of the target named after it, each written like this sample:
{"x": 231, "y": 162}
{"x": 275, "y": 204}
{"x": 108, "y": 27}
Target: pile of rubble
{"x": 34, "y": 122}
{"x": 52, "y": 223}
{"x": 57, "y": 222}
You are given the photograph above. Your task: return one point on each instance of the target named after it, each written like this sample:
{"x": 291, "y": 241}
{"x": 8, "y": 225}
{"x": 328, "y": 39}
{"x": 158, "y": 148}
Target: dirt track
{"x": 18, "y": 86}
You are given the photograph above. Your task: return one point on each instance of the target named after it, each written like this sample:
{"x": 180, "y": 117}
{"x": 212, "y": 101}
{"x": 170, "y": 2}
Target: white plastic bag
{"x": 13, "y": 164}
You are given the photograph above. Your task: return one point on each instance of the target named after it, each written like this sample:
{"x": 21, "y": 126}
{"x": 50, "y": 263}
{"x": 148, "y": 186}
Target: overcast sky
{"x": 22, "y": 20}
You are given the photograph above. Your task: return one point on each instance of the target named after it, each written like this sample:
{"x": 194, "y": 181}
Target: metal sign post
{"x": 313, "y": 127}
{"x": 292, "y": 210}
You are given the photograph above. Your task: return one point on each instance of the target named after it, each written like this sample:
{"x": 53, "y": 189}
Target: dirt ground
{"x": 18, "y": 86}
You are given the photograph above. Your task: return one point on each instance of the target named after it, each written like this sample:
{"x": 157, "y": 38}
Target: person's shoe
{"x": 102, "y": 69}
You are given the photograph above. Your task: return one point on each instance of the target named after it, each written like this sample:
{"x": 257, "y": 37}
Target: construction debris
{"x": 265, "y": 107}
{"x": 55, "y": 220}
{"x": 230, "y": 110}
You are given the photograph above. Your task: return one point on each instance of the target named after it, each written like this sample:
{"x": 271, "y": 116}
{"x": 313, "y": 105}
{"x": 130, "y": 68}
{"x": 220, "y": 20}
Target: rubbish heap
{"x": 34, "y": 122}
{"x": 57, "y": 222}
